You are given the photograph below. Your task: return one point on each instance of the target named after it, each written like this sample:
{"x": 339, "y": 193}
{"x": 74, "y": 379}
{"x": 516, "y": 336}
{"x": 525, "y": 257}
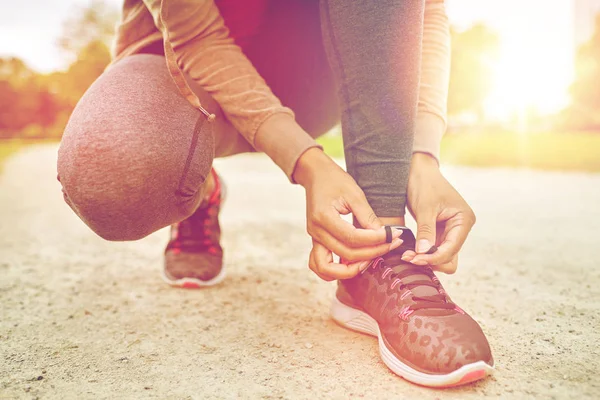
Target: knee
{"x": 118, "y": 200}
{"x": 113, "y": 213}
{"x": 122, "y": 160}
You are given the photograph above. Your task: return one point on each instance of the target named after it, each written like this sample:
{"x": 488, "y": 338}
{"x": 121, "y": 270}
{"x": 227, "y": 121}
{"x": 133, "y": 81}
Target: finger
{"x": 352, "y": 236}
{"x": 452, "y": 242}
{"x": 361, "y": 265}
{"x": 426, "y": 221}
{"x": 324, "y": 264}
{"x": 313, "y": 267}
{"x": 408, "y": 255}
{"x": 448, "y": 268}
{"x": 364, "y": 214}
{"x": 357, "y": 254}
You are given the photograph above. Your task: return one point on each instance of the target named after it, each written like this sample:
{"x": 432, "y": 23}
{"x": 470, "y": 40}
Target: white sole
{"x": 359, "y": 321}
{"x": 193, "y": 283}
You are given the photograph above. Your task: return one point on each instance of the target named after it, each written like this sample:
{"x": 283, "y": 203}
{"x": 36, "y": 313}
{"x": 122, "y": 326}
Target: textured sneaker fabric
{"x": 430, "y": 340}
{"x": 187, "y": 254}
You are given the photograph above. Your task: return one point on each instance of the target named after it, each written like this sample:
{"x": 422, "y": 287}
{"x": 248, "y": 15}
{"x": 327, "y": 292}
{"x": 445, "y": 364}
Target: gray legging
{"x": 135, "y": 153}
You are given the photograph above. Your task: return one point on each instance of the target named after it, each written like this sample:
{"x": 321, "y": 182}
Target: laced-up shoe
{"x": 194, "y": 256}
{"x": 423, "y": 336}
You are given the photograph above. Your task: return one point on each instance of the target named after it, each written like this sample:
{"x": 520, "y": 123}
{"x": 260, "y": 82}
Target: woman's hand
{"x": 331, "y": 192}
{"x": 444, "y": 218}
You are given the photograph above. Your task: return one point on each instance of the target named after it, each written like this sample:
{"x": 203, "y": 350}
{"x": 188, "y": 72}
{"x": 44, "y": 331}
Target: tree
{"x": 90, "y": 63}
{"x": 473, "y": 52}
{"x": 24, "y": 99}
{"x": 31, "y": 103}
{"x": 585, "y": 91}
{"x": 94, "y": 23}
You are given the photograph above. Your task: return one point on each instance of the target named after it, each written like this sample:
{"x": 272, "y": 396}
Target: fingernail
{"x": 363, "y": 265}
{"x": 405, "y": 258}
{"x": 396, "y": 233}
{"x": 396, "y": 243}
{"x": 432, "y": 250}
{"x": 419, "y": 262}
{"x": 423, "y": 246}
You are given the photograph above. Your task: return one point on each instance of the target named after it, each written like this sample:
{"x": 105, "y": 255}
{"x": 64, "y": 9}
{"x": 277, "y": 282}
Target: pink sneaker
{"x": 194, "y": 256}
{"x": 423, "y": 336}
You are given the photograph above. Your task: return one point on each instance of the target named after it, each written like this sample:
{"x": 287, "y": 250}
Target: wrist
{"x": 424, "y": 160}
{"x": 284, "y": 141}
{"x": 309, "y": 164}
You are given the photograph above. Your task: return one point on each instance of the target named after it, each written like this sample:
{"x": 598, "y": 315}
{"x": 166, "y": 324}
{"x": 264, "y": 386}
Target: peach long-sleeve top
{"x": 198, "y": 43}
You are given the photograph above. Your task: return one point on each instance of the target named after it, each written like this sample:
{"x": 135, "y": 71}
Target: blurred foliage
{"x": 585, "y": 91}
{"x": 39, "y": 105}
{"x": 26, "y": 99}
{"x": 565, "y": 151}
{"x": 473, "y": 54}
{"x": 568, "y": 151}
{"x": 93, "y": 24}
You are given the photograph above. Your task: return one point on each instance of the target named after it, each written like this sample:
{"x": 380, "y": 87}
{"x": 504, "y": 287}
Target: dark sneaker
{"x": 194, "y": 256}
{"x": 423, "y": 336}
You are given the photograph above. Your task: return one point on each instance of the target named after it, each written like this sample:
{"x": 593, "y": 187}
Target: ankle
{"x": 392, "y": 221}
{"x": 209, "y": 185}
{"x": 207, "y": 190}
{"x": 385, "y": 221}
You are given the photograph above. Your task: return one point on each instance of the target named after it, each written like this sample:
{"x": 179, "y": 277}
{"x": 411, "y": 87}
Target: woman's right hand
{"x": 330, "y": 193}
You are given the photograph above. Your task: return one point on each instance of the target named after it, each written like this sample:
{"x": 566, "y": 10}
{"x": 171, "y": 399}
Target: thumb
{"x": 364, "y": 214}
{"x": 426, "y": 222}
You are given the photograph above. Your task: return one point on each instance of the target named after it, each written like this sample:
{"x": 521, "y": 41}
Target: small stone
{"x": 308, "y": 345}
{"x": 39, "y": 378}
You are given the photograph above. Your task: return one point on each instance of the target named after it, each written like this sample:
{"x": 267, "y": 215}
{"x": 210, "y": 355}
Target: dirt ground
{"x": 85, "y": 318}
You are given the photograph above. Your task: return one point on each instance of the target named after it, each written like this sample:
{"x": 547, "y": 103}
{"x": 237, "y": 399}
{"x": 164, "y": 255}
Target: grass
{"x": 544, "y": 151}
{"x": 8, "y": 147}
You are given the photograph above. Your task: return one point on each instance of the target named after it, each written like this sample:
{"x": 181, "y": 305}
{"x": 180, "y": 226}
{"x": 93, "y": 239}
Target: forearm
{"x": 198, "y": 44}
{"x": 435, "y": 78}
{"x": 284, "y": 141}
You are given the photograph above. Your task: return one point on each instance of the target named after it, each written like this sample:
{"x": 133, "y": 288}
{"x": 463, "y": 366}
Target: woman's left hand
{"x": 444, "y": 218}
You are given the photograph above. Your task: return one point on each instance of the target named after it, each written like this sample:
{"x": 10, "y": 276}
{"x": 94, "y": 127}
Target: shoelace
{"x": 196, "y": 234}
{"x": 437, "y": 301}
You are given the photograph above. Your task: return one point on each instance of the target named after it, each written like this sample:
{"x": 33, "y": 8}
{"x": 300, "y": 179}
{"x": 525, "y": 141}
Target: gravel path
{"x": 85, "y": 318}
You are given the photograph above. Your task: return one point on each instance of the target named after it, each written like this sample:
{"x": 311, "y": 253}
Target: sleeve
{"x": 198, "y": 43}
{"x": 435, "y": 79}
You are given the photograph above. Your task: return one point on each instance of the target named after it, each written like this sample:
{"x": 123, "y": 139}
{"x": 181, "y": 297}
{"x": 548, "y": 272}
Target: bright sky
{"x": 534, "y": 69}
{"x": 535, "y": 66}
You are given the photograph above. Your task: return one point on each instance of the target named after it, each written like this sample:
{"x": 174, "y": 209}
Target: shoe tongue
{"x": 398, "y": 266}
{"x": 393, "y": 260}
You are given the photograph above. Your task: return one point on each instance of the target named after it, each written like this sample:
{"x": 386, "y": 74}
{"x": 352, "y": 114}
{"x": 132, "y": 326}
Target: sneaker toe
{"x": 439, "y": 345}
{"x": 201, "y": 266}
